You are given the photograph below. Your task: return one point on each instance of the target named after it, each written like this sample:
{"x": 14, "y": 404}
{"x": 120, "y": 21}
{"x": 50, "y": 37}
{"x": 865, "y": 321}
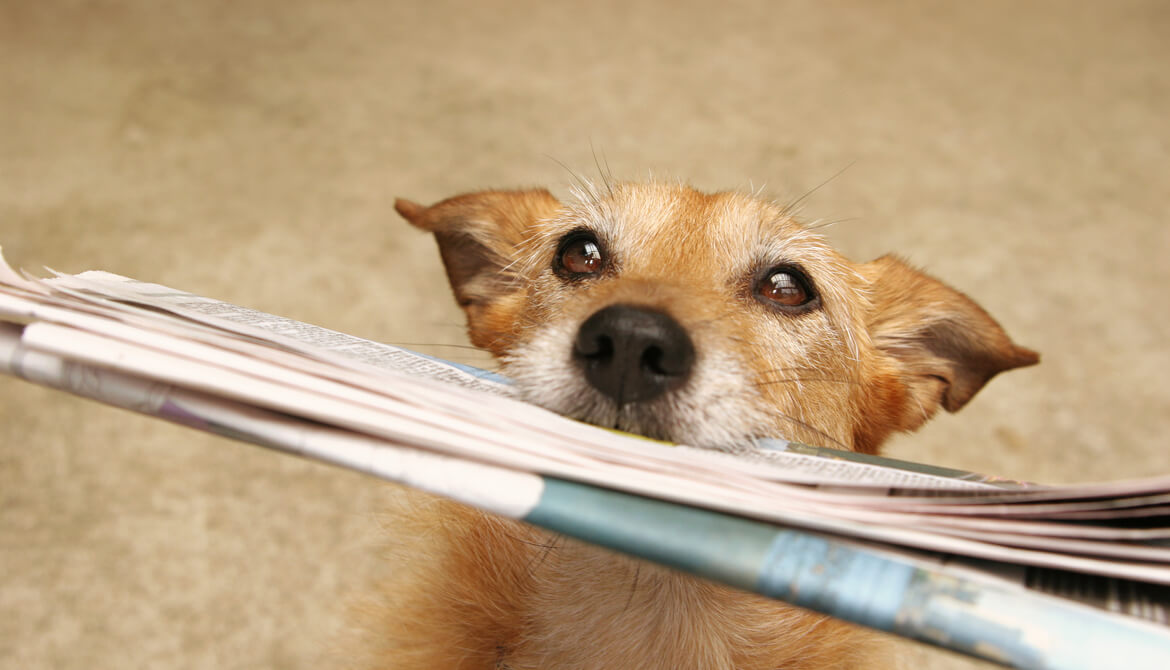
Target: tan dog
{"x": 696, "y": 318}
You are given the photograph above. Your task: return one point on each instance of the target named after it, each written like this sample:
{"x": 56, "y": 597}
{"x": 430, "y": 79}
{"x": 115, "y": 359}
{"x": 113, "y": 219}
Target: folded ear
{"x": 478, "y": 236}
{"x": 943, "y": 346}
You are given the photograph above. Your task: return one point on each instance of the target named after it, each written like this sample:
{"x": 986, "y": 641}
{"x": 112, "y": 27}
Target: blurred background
{"x": 251, "y": 151}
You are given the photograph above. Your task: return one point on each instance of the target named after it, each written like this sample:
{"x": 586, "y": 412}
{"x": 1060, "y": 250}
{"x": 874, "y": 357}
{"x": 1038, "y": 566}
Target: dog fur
{"x": 878, "y": 348}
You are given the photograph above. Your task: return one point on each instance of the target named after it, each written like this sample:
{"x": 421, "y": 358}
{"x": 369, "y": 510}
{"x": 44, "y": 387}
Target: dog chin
{"x": 675, "y": 418}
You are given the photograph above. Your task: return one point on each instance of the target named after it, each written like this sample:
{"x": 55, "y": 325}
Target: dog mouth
{"x": 653, "y": 420}
{"x": 713, "y": 423}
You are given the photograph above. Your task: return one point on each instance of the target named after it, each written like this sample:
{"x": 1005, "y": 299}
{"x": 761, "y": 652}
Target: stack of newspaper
{"x": 1022, "y": 574}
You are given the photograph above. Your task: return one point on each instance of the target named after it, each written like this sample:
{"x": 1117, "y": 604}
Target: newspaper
{"x": 960, "y": 555}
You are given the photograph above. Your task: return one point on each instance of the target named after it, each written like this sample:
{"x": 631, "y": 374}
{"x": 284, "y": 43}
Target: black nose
{"x": 633, "y": 353}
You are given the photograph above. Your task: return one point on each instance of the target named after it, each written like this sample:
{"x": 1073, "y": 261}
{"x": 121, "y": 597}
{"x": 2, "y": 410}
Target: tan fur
{"x": 887, "y": 347}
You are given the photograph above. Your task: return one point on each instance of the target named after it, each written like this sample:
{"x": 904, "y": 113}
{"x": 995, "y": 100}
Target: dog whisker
{"x": 818, "y": 431}
{"x": 790, "y": 208}
{"x": 419, "y": 345}
{"x": 793, "y": 368}
{"x": 801, "y": 380}
{"x": 604, "y": 174}
{"x": 818, "y": 225}
{"x": 546, "y": 550}
{"x": 584, "y": 184}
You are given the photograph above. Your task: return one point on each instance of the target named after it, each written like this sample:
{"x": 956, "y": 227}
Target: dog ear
{"x": 943, "y": 346}
{"x": 478, "y": 236}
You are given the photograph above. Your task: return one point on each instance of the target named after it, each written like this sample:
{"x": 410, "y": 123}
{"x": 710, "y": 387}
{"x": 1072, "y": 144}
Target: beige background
{"x": 251, "y": 151}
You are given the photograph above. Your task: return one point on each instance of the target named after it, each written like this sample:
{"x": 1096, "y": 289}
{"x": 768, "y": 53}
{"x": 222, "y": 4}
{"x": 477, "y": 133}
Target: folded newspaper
{"x": 1022, "y": 574}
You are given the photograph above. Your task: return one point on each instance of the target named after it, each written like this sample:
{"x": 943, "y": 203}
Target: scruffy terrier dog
{"x": 707, "y": 319}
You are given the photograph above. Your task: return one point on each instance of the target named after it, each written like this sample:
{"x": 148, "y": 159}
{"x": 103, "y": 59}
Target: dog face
{"x": 709, "y": 319}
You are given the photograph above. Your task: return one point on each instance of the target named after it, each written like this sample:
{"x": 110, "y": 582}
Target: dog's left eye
{"x": 579, "y": 255}
{"x": 787, "y": 288}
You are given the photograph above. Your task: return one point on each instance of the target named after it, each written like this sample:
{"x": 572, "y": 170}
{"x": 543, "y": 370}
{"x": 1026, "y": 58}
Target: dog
{"x": 706, "y": 319}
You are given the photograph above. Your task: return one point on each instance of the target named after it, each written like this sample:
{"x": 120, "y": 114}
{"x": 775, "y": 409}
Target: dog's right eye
{"x": 579, "y": 256}
{"x": 787, "y": 288}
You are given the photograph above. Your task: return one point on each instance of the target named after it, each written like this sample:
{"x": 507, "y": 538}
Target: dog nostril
{"x": 652, "y": 360}
{"x": 596, "y": 348}
{"x": 633, "y": 354}
{"x": 662, "y": 362}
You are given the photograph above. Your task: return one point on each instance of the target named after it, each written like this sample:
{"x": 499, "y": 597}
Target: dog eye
{"x": 579, "y": 256}
{"x": 787, "y": 288}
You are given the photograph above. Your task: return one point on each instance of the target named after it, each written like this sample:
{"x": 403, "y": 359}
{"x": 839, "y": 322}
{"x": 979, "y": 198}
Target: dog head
{"x": 709, "y": 319}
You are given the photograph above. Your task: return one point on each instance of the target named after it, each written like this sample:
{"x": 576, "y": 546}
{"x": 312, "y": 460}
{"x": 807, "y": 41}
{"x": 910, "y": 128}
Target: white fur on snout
{"x": 715, "y": 408}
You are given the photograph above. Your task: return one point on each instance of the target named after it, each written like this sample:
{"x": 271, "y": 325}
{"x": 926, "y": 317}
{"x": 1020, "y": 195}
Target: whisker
{"x": 817, "y": 225}
{"x": 546, "y": 550}
{"x": 586, "y": 187}
{"x": 439, "y": 344}
{"x": 814, "y": 429}
{"x": 606, "y": 176}
{"x": 447, "y": 324}
{"x": 801, "y": 380}
{"x": 790, "y": 207}
{"x": 793, "y": 368}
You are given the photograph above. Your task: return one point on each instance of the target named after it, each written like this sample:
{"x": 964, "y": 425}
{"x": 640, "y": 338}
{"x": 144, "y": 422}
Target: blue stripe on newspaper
{"x": 828, "y": 575}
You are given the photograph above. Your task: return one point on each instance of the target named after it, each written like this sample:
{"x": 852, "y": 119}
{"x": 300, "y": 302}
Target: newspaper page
{"x": 393, "y": 413}
{"x": 939, "y": 601}
{"x": 766, "y": 483}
